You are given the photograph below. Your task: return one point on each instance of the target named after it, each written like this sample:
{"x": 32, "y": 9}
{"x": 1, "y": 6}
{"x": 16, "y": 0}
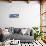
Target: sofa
{"x": 17, "y": 34}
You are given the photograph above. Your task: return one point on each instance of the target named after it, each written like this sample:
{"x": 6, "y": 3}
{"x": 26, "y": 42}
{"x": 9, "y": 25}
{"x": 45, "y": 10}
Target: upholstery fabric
{"x": 17, "y": 30}
{"x": 22, "y": 38}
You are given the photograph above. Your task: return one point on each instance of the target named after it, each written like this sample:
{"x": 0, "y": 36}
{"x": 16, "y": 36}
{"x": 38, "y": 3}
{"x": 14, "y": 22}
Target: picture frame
{"x": 13, "y": 15}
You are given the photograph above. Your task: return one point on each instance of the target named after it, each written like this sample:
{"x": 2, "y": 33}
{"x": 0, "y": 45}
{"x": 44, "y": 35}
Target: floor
{"x": 35, "y": 43}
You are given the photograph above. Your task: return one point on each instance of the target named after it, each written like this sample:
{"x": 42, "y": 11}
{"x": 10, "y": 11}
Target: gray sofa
{"x": 17, "y": 35}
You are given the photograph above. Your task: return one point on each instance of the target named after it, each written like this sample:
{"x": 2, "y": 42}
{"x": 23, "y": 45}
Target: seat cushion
{"x": 20, "y": 37}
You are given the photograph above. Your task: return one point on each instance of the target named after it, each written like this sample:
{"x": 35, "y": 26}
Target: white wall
{"x": 29, "y": 14}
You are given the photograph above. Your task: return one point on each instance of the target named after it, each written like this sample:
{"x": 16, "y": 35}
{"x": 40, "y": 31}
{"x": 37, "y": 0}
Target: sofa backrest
{"x": 23, "y": 31}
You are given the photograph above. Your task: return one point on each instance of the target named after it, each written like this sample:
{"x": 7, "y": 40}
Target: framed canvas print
{"x": 13, "y": 15}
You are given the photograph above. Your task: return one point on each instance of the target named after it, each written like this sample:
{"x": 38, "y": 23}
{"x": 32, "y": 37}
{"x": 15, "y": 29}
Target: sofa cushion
{"x": 23, "y": 31}
{"x": 11, "y": 30}
{"x": 17, "y": 30}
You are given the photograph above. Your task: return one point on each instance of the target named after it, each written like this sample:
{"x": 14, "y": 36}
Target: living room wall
{"x": 29, "y": 14}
